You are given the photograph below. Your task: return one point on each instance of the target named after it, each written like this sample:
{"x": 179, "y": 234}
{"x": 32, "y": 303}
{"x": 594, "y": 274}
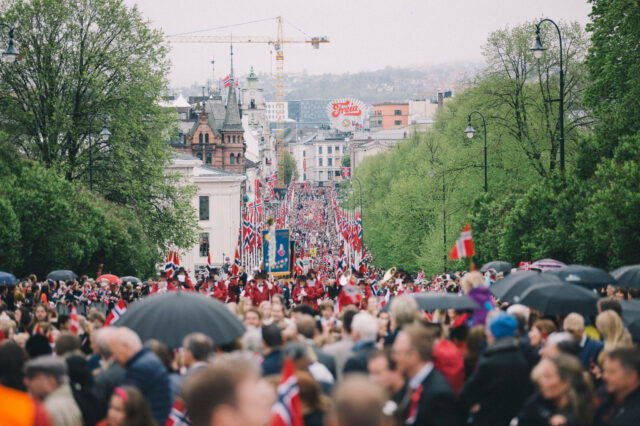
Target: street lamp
{"x": 537, "y": 49}
{"x": 470, "y": 131}
{"x": 105, "y": 135}
{"x": 433, "y": 174}
{"x": 11, "y": 53}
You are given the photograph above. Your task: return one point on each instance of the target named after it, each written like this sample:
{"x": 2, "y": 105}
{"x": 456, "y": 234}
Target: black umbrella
{"x": 171, "y": 316}
{"x": 585, "y": 276}
{"x": 430, "y": 301}
{"x": 62, "y": 275}
{"x": 510, "y": 288}
{"x": 129, "y": 279}
{"x": 497, "y": 265}
{"x": 7, "y": 278}
{"x": 554, "y": 299}
{"x": 628, "y": 276}
{"x": 631, "y": 317}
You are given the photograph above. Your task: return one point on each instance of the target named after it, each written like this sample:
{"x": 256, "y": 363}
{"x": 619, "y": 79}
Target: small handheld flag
{"x": 464, "y": 245}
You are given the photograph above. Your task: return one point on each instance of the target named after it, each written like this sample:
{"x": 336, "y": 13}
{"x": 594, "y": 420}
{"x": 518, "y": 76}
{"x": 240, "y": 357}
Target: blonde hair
{"x": 614, "y": 334}
{"x": 471, "y": 280}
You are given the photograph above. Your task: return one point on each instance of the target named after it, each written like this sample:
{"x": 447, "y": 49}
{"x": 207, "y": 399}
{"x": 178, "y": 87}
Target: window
{"x": 239, "y": 159}
{"x": 337, "y": 149}
{"x": 304, "y": 176}
{"x": 206, "y": 138}
{"x": 231, "y": 159}
{"x": 379, "y": 122}
{"x": 199, "y": 155}
{"x": 397, "y": 122}
{"x": 208, "y": 158}
{"x": 204, "y": 207}
{"x": 204, "y": 244}
{"x": 319, "y": 150}
{"x": 319, "y": 175}
{"x": 200, "y": 138}
{"x": 304, "y": 154}
{"x": 329, "y": 162}
{"x": 329, "y": 150}
{"x": 337, "y": 173}
{"x": 397, "y": 112}
{"x": 320, "y": 162}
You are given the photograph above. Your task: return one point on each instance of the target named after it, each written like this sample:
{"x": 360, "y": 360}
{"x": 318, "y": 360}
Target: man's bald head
{"x": 123, "y": 344}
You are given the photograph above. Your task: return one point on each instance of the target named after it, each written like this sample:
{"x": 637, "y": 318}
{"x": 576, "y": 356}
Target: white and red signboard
{"x": 347, "y": 114}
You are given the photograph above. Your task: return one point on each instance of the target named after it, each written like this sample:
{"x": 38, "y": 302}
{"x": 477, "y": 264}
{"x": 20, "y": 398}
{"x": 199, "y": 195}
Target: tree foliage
{"x": 84, "y": 65}
{"x": 289, "y": 167}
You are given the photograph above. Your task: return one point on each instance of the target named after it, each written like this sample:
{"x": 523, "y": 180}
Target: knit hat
{"x": 503, "y": 325}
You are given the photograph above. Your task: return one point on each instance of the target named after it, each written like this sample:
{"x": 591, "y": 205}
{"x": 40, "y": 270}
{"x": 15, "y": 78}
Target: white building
{"x": 367, "y": 144}
{"x": 319, "y": 158}
{"x": 217, "y": 204}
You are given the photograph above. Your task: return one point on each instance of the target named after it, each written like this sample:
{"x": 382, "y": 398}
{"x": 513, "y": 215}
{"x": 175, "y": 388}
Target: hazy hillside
{"x": 388, "y": 84}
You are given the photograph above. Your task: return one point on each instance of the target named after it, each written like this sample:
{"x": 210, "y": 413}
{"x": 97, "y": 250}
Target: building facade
{"x": 389, "y": 115}
{"x": 252, "y": 101}
{"x": 217, "y": 204}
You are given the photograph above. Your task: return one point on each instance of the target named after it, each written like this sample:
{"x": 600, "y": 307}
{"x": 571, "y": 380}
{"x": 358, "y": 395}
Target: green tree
{"x": 86, "y": 64}
{"x": 289, "y": 167}
{"x": 345, "y": 161}
{"x": 9, "y": 235}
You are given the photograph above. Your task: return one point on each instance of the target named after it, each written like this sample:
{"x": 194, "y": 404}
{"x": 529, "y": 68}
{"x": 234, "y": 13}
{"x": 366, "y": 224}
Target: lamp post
{"x": 105, "y": 134}
{"x": 537, "y": 49}
{"x": 470, "y": 131}
{"x": 433, "y": 173}
{"x": 11, "y": 53}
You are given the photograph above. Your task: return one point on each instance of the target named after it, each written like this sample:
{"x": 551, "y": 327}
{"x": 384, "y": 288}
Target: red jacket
{"x": 311, "y": 294}
{"x": 448, "y": 360}
{"x": 232, "y": 290}
{"x": 221, "y": 291}
{"x": 258, "y": 296}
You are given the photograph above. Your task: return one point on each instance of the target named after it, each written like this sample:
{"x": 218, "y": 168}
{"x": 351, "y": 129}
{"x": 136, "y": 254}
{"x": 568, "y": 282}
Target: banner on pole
{"x": 281, "y": 263}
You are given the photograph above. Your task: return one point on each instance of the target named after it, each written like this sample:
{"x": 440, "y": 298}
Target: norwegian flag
{"x": 286, "y": 411}
{"x": 524, "y": 266}
{"x": 226, "y": 82}
{"x": 349, "y": 295}
{"x": 176, "y": 260}
{"x": 178, "y": 415}
{"x": 346, "y": 172}
{"x": 420, "y": 276}
{"x": 169, "y": 266}
{"x": 358, "y": 232}
{"x": 235, "y": 268}
{"x": 464, "y": 245}
{"x": 247, "y": 232}
{"x": 115, "y": 313}
{"x": 74, "y": 324}
{"x": 209, "y": 266}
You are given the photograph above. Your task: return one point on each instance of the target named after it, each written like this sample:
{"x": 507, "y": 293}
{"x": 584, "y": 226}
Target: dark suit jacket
{"x": 272, "y": 363}
{"x": 625, "y": 414}
{"x": 437, "y": 406}
{"x": 589, "y": 352}
{"x": 500, "y": 384}
{"x": 358, "y": 362}
{"x": 325, "y": 359}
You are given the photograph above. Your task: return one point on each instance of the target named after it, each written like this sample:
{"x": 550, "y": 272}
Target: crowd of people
{"x": 346, "y": 351}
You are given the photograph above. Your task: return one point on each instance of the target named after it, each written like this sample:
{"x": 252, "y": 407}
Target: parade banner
{"x": 282, "y": 247}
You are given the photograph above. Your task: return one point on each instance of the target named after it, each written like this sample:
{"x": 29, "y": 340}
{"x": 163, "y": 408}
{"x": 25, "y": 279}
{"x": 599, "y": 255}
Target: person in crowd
{"x": 383, "y": 371}
{"x": 306, "y": 327}
{"x": 364, "y": 330}
{"x": 613, "y": 332}
{"x": 144, "y": 370}
{"x": 342, "y": 349}
{"x": 46, "y": 379}
{"x": 252, "y": 318}
{"x": 197, "y": 348}
{"x": 558, "y": 343}
{"x": 272, "y": 350}
{"x": 166, "y": 356}
{"x": 500, "y": 384}
{"x": 589, "y": 349}
{"x": 111, "y": 374}
{"x": 476, "y": 343}
{"x": 447, "y": 358}
{"x": 12, "y": 359}
{"x": 313, "y": 403}
{"x": 265, "y": 311}
{"x": 473, "y": 286}
{"x": 565, "y": 395}
{"x": 229, "y": 392}
{"x": 128, "y": 407}
{"x": 357, "y": 401}
{"x": 404, "y": 310}
{"x": 429, "y": 399}
{"x": 540, "y": 331}
{"x": 610, "y": 303}
{"x": 621, "y": 374}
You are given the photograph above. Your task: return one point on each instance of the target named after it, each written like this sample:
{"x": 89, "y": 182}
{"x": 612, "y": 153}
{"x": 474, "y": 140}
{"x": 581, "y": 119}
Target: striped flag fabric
{"x": 74, "y": 323}
{"x": 464, "y": 245}
{"x": 178, "y": 414}
{"x": 209, "y": 270}
{"x": 115, "y": 313}
{"x": 235, "y": 268}
{"x": 169, "y": 266}
{"x": 286, "y": 411}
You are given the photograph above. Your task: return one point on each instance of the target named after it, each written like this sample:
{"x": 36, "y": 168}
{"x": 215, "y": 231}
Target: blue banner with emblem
{"x": 282, "y": 251}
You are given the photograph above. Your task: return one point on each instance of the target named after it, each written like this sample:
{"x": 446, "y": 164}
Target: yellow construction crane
{"x": 278, "y": 43}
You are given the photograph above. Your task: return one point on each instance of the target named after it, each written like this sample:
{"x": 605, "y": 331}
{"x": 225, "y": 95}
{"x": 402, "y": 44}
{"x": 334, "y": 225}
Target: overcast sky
{"x": 364, "y": 35}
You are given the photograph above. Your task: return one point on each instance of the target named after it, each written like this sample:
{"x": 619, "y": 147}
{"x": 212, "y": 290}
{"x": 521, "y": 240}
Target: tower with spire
{"x": 217, "y": 138}
{"x": 252, "y": 101}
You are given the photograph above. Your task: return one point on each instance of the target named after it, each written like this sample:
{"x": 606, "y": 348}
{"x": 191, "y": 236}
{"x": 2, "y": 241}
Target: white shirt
{"x": 421, "y": 375}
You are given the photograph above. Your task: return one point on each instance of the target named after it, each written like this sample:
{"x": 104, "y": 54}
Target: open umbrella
{"x": 113, "y": 279}
{"x": 585, "y": 276}
{"x": 628, "y": 276}
{"x": 547, "y": 264}
{"x": 554, "y": 299}
{"x": 497, "y": 265}
{"x": 171, "y": 316}
{"x": 62, "y": 275}
{"x": 511, "y": 288}
{"x": 7, "y": 278}
{"x": 430, "y": 301}
{"x": 130, "y": 279}
{"x": 631, "y": 317}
